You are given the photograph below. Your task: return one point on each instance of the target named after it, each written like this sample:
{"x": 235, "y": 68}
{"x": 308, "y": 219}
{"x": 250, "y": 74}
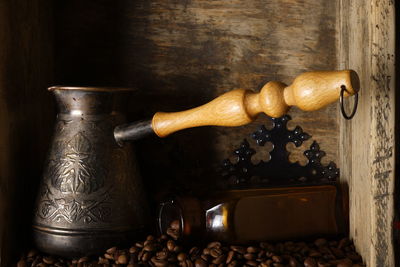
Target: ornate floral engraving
{"x": 77, "y": 171}
{"x": 72, "y": 210}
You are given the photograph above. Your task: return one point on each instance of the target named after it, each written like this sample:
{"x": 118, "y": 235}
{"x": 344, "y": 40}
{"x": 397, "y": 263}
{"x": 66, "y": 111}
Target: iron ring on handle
{"x": 353, "y": 112}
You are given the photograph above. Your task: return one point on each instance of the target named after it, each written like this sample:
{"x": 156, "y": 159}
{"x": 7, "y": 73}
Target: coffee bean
{"x": 22, "y": 263}
{"x": 103, "y": 261}
{"x": 215, "y": 252}
{"x": 174, "y": 233}
{"x": 181, "y": 256}
{"x": 314, "y": 253}
{"x": 162, "y": 255}
{"x": 345, "y": 263}
{"x": 293, "y": 262}
{"x": 231, "y": 255}
{"x": 310, "y": 262}
{"x": 252, "y": 263}
{"x": 253, "y": 249}
{"x": 219, "y": 259}
{"x": 146, "y": 256}
{"x": 194, "y": 251}
{"x": 108, "y": 256}
{"x": 148, "y": 247}
{"x": 233, "y": 263}
{"x": 165, "y": 252}
{"x": 200, "y": 263}
{"x": 238, "y": 249}
{"x": 170, "y": 245}
{"x": 249, "y": 256}
{"x": 320, "y": 242}
{"x": 122, "y": 259}
{"x": 215, "y": 244}
{"x": 343, "y": 243}
{"x": 277, "y": 259}
{"x": 49, "y": 260}
{"x": 324, "y": 264}
{"x": 111, "y": 250}
{"x": 32, "y": 253}
{"x": 337, "y": 252}
{"x": 176, "y": 225}
{"x": 159, "y": 262}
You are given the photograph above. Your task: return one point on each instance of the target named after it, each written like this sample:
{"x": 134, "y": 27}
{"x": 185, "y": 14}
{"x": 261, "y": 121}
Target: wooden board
{"x": 26, "y": 113}
{"x": 180, "y": 54}
{"x": 368, "y": 141}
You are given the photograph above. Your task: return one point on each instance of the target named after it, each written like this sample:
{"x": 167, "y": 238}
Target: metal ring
{"x": 347, "y": 117}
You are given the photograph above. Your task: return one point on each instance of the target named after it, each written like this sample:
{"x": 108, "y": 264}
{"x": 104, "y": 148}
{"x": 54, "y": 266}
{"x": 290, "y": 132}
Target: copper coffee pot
{"x": 91, "y": 195}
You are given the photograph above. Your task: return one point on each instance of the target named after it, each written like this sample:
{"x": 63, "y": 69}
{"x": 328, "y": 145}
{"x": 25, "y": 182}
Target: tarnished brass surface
{"x": 91, "y": 196}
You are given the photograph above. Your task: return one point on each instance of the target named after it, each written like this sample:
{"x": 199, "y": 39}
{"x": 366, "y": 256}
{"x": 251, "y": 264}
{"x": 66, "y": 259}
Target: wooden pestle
{"x": 310, "y": 91}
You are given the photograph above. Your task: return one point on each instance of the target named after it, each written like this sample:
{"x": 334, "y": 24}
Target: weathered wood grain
{"x": 367, "y": 142}
{"x": 25, "y": 116}
{"x": 181, "y": 54}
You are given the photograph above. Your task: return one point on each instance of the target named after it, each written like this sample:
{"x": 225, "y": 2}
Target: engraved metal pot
{"x": 91, "y": 196}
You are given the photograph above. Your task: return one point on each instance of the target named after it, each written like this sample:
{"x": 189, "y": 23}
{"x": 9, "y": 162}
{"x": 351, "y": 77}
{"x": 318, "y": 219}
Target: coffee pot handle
{"x": 310, "y": 91}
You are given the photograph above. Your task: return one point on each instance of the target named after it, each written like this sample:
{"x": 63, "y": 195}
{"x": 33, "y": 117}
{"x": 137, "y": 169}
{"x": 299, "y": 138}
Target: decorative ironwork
{"x": 278, "y": 171}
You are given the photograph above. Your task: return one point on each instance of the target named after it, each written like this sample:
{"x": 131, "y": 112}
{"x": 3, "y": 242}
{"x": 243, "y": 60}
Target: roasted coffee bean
{"x": 159, "y": 262}
{"x": 324, "y": 264}
{"x": 249, "y": 256}
{"x": 238, "y": 249}
{"x": 233, "y": 263}
{"x": 170, "y": 245}
{"x": 165, "y": 252}
{"x": 293, "y": 262}
{"x": 162, "y": 255}
{"x": 181, "y": 256}
{"x": 320, "y": 242}
{"x": 343, "y": 243}
{"x": 231, "y": 255}
{"x": 214, "y": 244}
{"x": 107, "y": 256}
{"x": 103, "y": 261}
{"x": 219, "y": 259}
{"x": 344, "y": 263}
{"x": 49, "y": 260}
{"x": 148, "y": 247}
{"x": 133, "y": 250}
{"x": 111, "y": 250}
{"x": 253, "y": 249}
{"x": 215, "y": 252}
{"x": 173, "y": 233}
{"x": 200, "y": 263}
{"x": 314, "y": 253}
{"x": 277, "y": 259}
{"x": 22, "y": 263}
{"x": 310, "y": 262}
{"x": 178, "y": 249}
{"x": 122, "y": 259}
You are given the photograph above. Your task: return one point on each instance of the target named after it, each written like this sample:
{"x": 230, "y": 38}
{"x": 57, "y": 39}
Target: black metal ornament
{"x": 278, "y": 171}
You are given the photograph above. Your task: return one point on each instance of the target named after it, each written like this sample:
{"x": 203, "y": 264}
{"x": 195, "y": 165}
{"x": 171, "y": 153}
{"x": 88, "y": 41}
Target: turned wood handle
{"x": 309, "y": 91}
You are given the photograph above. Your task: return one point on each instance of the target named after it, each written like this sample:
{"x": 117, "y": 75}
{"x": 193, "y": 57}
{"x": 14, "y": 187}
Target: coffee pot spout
{"x": 310, "y": 91}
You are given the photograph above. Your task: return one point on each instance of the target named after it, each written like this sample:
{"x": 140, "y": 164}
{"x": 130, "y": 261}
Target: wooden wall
{"x": 180, "y": 54}
{"x": 367, "y": 151}
{"x": 26, "y": 114}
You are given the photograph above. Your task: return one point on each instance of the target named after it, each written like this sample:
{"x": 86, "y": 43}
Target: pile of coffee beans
{"x": 166, "y": 251}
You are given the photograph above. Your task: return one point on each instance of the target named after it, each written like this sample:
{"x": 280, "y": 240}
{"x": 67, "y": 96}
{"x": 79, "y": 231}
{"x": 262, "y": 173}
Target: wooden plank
{"x": 181, "y": 54}
{"x": 367, "y": 142}
{"x": 25, "y": 116}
